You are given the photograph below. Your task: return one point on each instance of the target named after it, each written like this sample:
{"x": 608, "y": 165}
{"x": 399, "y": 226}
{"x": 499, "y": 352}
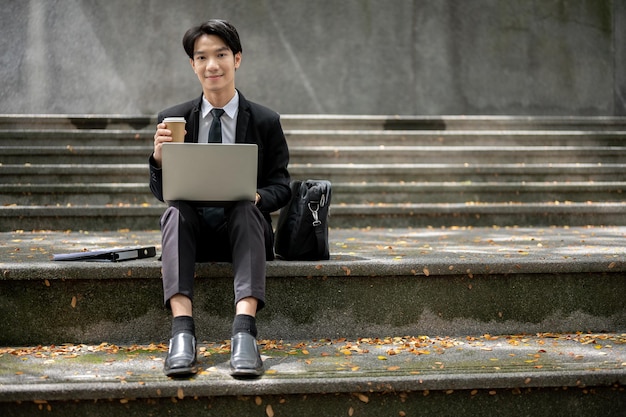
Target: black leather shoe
{"x": 181, "y": 357}
{"x": 245, "y": 359}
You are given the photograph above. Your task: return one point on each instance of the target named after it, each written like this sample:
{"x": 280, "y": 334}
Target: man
{"x": 241, "y": 232}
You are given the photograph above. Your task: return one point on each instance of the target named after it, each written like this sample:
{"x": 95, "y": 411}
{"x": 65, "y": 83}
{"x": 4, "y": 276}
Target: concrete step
{"x": 462, "y": 173}
{"x": 14, "y": 155}
{"x": 409, "y": 281}
{"x": 450, "y": 123}
{"x": 146, "y": 216}
{"x": 343, "y": 193}
{"x": 454, "y": 138}
{"x": 356, "y": 172}
{"x": 325, "y": 137}
{"x": 76, "y": 194}
{"x": 81, "y": 217}
{"x": 335, "y": 154}
{"x": 77, "y": 121}
{"x": 468, "y": 192}
{"x": 74, "y": 173}
{"x": 479, "y": 214}
{"x": 333, "y": 122}
{"x": 543, "y": 375}
{"x": 75, "y": 137}
{"x": 457, "y": 154}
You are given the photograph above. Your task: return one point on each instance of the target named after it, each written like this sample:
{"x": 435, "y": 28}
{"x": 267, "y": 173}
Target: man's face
{"x": 215, "y": 64}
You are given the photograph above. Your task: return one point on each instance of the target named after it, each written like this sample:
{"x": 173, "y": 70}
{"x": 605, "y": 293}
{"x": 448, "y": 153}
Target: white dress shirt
{"x": 229, "y": 120}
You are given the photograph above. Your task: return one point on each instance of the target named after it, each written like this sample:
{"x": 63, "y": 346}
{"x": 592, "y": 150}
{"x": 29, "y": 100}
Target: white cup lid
{"x": 174, "y": 119}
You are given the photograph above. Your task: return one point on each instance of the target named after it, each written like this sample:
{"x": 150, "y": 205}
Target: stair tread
{"x": 471, "y": 205}
{"x": 382, "y": 186}
{"x": 397, "y": 251}
{"x": 403, "y": 363}
{"x": 101, "y": 121}
{"x": 587, "y": 167}
{"x": 320, "y": 148}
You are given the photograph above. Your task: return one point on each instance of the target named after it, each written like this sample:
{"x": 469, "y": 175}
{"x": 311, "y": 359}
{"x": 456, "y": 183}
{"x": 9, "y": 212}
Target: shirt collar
{"x": 230, "y": 108}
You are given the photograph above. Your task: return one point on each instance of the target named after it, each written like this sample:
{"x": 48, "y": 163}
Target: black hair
{"x": 218, "y": 27}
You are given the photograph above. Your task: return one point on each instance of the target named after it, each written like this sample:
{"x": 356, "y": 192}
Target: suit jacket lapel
{"x": 193, "y": 124}
{"x": 243, "y": 119}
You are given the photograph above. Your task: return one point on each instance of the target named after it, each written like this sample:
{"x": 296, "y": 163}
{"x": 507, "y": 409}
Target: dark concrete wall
{"x": 619, "y": 46}
{"x": 526, "y": 57}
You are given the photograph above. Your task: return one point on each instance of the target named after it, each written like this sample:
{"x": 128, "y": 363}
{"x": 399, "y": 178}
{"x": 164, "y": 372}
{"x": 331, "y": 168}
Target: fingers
{"x": 161, "y": 136}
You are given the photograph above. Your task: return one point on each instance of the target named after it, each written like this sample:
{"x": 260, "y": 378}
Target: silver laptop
{"x": 209, "y": 173}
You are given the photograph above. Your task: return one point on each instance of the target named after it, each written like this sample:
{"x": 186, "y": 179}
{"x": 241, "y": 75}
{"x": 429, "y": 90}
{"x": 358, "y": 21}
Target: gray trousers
{"x": 191, "y": 234}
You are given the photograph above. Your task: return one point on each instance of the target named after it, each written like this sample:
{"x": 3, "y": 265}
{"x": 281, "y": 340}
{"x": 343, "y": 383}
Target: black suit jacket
{"x": 255, "y": 124}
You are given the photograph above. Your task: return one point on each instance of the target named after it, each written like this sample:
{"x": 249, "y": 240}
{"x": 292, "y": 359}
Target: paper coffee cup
{"x": 177, "y": 126}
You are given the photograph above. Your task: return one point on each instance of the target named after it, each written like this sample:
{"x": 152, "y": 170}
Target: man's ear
{"x": 237, "y": 60}
{"x": 193, "y": 65}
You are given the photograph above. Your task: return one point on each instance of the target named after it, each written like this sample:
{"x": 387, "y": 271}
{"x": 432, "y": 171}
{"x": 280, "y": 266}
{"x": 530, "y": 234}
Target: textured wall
{"x": 529, "y": 57}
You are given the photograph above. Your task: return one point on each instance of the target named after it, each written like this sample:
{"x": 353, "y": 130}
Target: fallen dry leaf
{"x": 363, "y": 398}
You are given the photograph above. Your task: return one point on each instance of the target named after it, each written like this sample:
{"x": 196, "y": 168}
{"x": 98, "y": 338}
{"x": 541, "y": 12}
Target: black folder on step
{"x": 108, "y": 255}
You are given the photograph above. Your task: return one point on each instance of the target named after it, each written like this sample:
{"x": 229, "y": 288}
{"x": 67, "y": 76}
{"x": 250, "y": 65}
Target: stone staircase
{"x": 59, "y": 173}
{"x": 478, "y": 266}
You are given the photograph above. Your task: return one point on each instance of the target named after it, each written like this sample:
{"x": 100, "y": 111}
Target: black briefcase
{"x": 302, "y": 228}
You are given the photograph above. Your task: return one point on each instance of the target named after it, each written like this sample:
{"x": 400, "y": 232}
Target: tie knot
{"x": 217, "y": 113}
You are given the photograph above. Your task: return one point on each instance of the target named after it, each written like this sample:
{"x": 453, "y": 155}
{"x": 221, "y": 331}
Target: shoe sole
{"x": 246, "y": 373}
{"x": 181, "y": 372}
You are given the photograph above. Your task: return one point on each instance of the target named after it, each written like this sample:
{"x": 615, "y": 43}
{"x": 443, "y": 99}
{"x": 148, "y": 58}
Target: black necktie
{"x": 214, "y": 216}
{"x": 215, "y": 131}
